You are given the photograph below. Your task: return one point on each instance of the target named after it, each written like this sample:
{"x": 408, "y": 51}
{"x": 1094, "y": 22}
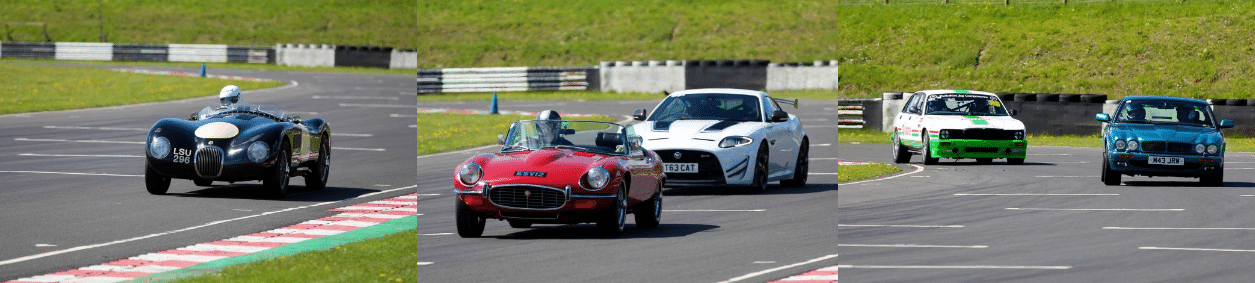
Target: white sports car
{"x": 721, "y": 137}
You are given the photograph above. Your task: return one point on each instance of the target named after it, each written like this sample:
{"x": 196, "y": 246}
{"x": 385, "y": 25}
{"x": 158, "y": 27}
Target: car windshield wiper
{"x": 566, "y": 147}
{"x": 514, "y": 147}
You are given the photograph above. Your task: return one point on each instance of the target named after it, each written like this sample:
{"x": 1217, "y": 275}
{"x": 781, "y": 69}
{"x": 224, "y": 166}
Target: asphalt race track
{"x": 707, "y": 235}
{"x": 1049, "y": 220}
{"x": 73, "y": 192}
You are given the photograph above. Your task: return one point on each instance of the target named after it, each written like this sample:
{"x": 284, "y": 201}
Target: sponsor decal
{"x": 530, "y": 174}
{"x": 976, "y": 120}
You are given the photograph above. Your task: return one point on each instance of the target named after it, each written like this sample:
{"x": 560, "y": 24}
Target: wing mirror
{"x": 635, "y": 143}
{"x": 1226, "y": 123}
{"x": 500, "y": 139}
{"x": 1013, "y": 112}
{"x": 779, "y": 116}
{"x": 192, "y": 117}
{"x": 639, "y": 114}
{"x": 1103, "y": 117}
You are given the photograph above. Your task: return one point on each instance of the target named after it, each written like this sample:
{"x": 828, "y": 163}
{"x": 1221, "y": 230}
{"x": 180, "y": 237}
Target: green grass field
{"x": 492, "y": 33}
{"x": 588, "y": 95}
{"x": 28, "y": 88}
{"x": 243, "y": 23}
{"x": 1198, "y": 49}
{"x": 390, "y": 258}
{"x": 850, "y": 173}
{"x": 441, "y": 132}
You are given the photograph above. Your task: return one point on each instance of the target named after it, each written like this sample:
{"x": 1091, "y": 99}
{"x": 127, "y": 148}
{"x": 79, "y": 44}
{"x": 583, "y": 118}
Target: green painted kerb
{"x": 328, "y": 242}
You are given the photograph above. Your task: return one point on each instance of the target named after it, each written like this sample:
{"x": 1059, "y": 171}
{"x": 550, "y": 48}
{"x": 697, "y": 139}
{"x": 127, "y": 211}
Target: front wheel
{"x": 900, "y": 154}
{"x": 277, "y": 182}
{"x": 317, "y": 180}
{"x": 928, "y": 151}
{"x": 800, "y": 170}
{"x": 612, "y": 222}
{"x": 648, "y": 215}
{"x": 470, "y": 225}
{"x": 155, "y": 182}
{"x": 760, "y": 172}
{"x": 1109, "y": 177}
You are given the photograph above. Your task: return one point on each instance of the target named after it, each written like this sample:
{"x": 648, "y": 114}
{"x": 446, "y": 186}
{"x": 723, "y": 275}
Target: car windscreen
{"x": 964, "y": 104}
{"x": 597, "y": 137}
{"x": 1165, "y": 111}
{"x": 266, "y": 110}
{"x": 708, "y": 106}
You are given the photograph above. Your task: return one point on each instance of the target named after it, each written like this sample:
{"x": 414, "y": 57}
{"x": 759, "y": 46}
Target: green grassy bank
{"x": 1198, "y": 49}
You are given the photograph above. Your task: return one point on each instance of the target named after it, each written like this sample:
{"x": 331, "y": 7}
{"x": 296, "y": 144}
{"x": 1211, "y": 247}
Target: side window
{"x": 906, "y": 107}
{"x": 913, "y": 105}
{"x": 768, "y": 107}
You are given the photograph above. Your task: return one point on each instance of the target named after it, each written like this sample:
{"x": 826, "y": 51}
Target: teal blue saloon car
{"x": 1163, "y": 136}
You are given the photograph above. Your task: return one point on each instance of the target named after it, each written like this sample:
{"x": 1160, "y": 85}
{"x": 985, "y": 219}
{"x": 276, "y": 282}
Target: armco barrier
{"x": 363, "y": 56}
{"x": 197, "y": 53}
{"x": 29, "y": 50}
{"x": 141, "y": 52}
{"x": 504, "y": 79}
{"x": 84, "y": 51}
{"x": 642, "y": 76}
{"x": 799, "y": 76}
{"x": 743, "y": 74}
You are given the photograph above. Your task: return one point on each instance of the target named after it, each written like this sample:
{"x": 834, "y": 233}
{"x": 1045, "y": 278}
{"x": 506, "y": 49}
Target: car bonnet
{"x": 967, "y": 122}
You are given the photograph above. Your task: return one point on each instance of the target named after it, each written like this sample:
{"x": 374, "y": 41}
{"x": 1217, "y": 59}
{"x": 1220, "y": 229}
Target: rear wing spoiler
{"x": 786, "y": 101}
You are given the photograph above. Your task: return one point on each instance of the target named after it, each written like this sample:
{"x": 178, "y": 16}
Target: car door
{"x": 780, "y": 145}
{"x": 909, "y": 119}
{"x": 641, "y": 165}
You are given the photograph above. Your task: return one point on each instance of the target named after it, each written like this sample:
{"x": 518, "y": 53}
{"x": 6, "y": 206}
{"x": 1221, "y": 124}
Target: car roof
{"x": 963, "y": 91}
{"x": 720, "y": 90}
{"x": 1165, "y": 98}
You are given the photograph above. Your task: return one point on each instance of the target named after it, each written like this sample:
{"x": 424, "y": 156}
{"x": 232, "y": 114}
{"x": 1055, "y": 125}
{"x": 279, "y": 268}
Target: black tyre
{"x": 277, "y": 182}
{"x": 470, "y": 225}
{"x": 1110, "y": 178}
{"x": 1214, "y": 181}
{"x": 155, "y": 182}
{"x": 317, "y": 180}
{"x": 802, "y": 167}
{"x": 760, "y": 172}
{"x": 928, "y": 151}
{"x": 649, "y": 214}
{"x": 985, "y": 160}
{"x": 612, "y": 222}
{"x": 202, "y": 183}
{"x": 900, "y": 154}
{"x": 516, "y": 223}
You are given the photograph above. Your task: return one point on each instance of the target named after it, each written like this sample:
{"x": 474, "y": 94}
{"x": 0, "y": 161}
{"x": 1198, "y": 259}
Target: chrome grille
{"x": 209, "y": 161}
{"x": 527, "y": 197}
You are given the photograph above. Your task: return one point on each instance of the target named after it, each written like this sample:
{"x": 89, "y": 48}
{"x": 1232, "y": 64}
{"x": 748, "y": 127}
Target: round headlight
{"x": 734, "y": 141}
{"x": 596, "y": 178}
{"x": 1212, "y": 149}
{"x": 470, "y": 173}
{"x": 1132, "y": 145}
{"x": 944, "y": 134}
{"x": 1120, "y": 144}
{"x": 258, "y": 151}
{"x": 1199, "y": 148}
{"x": 1019, "y": 135}
{"x": 159, "y": 147}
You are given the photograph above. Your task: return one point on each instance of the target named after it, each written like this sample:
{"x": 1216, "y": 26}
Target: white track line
{"x": 1171, "y": 228}
{"x": 755, "y": 274}
{"x": 1195, "y": 249}
{"x": 425, "y": 263}
{"x": 83, "y": 141}
{"x": 714, "y": 210}
{"x": 917, "y": 170}
{"x": 1036, "y": 194}
{"x": 955, "y": 266}
{"x": 79, "y": 248}
{"x": 76, "y": 155}
{"x": 911, "y": 246}
{"x": 822, "y": 144}
{"x": 1097, "y": 209}
{"x": 402, "y": 116}
{"x": 900, "y": 226}
{"x": 72, "y": 173}
{"x": 386, "y": 191}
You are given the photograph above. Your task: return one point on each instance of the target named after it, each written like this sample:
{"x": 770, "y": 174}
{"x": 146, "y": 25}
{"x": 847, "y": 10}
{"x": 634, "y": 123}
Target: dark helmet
{"x": 548, "y": 115}
{"x": 548, "y": 124}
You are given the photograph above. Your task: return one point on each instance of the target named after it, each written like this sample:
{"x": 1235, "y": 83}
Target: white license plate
{"x": 679, "y": 167}
{"x": 1160, "y": 160}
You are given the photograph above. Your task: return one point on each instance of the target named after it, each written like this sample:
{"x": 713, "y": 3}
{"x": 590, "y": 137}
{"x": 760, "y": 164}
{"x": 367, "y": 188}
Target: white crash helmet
{"x": 229, "y": 95}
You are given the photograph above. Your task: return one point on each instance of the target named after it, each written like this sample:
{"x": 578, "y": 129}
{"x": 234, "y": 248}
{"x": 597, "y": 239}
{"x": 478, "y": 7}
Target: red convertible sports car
{"x": 561, "y": 172}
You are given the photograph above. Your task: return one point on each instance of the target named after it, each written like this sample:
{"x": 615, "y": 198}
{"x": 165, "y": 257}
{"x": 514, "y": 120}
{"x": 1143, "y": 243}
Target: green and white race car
{"x": 958, "y": 124}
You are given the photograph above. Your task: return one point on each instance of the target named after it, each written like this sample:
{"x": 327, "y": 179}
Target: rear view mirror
{"x": 1013, "y": 112}
{"x": 500, "y": 139}
{"x": 639, "y": 114}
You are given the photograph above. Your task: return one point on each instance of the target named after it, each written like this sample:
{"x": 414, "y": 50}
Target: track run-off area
{"x": 73, "y": 191}
{"x": 1048, "y": 220}
{"x": 706, "y": 235}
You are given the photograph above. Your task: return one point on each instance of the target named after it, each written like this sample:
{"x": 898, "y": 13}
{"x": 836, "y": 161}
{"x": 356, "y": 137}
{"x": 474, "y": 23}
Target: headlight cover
{"x": 470, "y": 173}
{"x": 1132, "y": 145}
{"x": 596, "y": 178}
{"x": 1213, "y": 149}
{"x": 1120, "y": 144}
{"x": 159, "y": 147}
{"x": 1199, "y": 148}
{"x": 257, "y": 151}
{"x": 943, "y": 134}
{"x": 735, "y": 141}
{"x": 1019, "y": 135}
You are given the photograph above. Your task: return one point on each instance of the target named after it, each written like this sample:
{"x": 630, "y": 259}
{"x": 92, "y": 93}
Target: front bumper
{"x": 731, "y": 166}
{"x": 965, "y": 148}
{"x": 575, "y": 207}
{"x": 1135, "y": 163}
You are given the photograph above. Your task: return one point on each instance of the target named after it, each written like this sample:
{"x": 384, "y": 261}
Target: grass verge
{"x": 493, "y": 33}
{"x": 1197, "y": 49}
{"x": 246, "y": 23}
{"x": 28, "y": 88}
{"x": 850, "y": 173}
{"x": 442, "y": 132}
{"x": 592, "y": 95}
{"x": 211, "y": 68}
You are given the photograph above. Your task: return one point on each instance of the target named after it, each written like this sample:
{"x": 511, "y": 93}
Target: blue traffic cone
{"x": 494, "y": 105}
{"x": 202, "y": 70}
